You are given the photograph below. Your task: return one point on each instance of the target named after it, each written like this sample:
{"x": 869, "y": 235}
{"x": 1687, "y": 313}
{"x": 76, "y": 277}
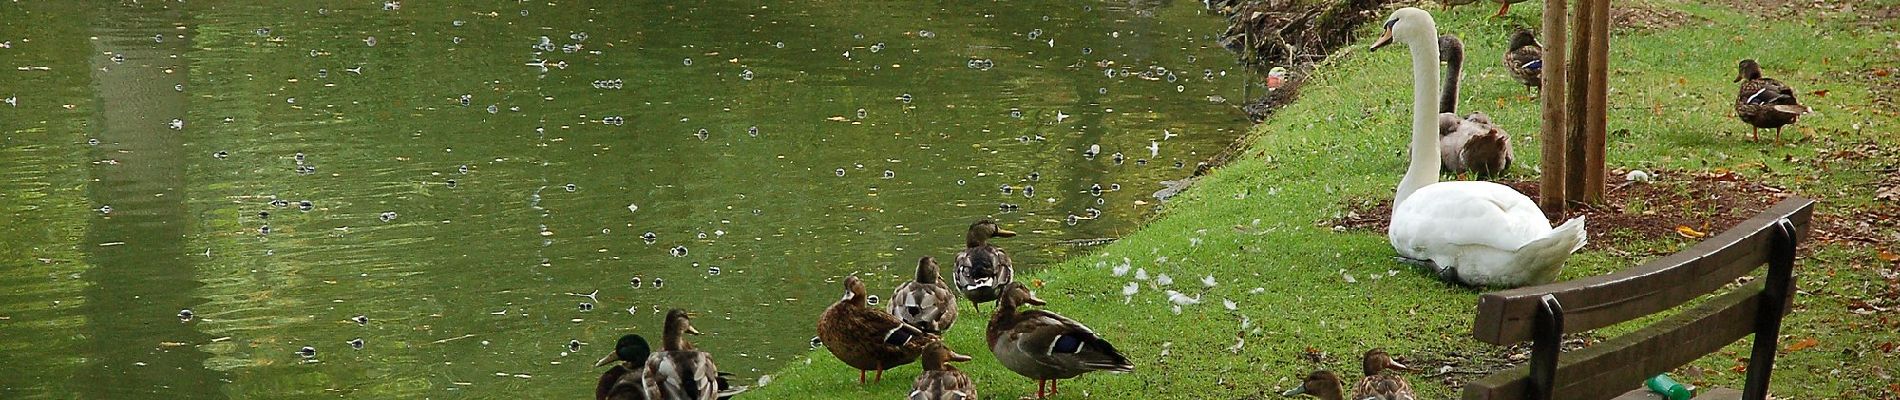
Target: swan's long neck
{"x": 1454, "y": 57}
{"x": 1424, "y": 168}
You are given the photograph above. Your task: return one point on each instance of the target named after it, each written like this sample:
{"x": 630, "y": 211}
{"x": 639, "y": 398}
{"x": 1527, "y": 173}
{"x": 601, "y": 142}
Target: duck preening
{"x": 1525, "y": 59}
{"x": 983, "y": 268}
{"x": 1045, "y": 346}
{"x": 1473, "y": 233}
{"x": 940, "y": 380}
{"x": 925, "y": 302}
{"x": 1472, "y": 144}
{"x": 866, "y": 338}
{"x": 1765, "y": 102}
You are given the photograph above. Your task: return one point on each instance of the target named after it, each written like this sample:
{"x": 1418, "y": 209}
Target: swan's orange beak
{"x": 1384, "y": 39}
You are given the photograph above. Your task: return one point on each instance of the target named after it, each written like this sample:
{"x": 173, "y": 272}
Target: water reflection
{"x": 409, "y": 201}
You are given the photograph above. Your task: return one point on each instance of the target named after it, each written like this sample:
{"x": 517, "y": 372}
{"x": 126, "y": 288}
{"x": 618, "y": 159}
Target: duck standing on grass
{"x": 681, "y": 371}
{"x": 1045, "y": 346}
{"x": 866, "y": 338}
{"x": 1765, "y": 102}
{"x": 1474, "y": 233}
{"x": 925, "y": 302}
{"x": 940, "y": 381}
{"x": 1525, "y": 59}
{"x": 983, "y": 268}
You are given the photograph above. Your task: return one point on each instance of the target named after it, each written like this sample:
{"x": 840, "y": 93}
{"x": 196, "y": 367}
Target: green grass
{"x": 1254, "y": 223}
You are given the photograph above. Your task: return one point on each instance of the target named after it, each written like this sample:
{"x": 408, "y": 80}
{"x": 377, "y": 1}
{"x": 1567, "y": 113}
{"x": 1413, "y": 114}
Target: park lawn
{"x": 1303, "y": 291}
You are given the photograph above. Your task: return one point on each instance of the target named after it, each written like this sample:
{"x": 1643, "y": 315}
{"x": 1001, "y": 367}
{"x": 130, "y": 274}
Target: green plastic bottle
{"x": 1668, "y": 388}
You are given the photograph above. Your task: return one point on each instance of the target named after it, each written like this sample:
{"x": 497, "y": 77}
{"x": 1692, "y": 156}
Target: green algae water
{"x": 449, "y": 199}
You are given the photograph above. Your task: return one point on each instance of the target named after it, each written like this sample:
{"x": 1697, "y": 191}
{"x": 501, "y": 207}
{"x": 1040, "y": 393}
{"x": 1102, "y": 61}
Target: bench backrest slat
{"x": 1506, "y": 317}
{"x": 1610, "y": 368}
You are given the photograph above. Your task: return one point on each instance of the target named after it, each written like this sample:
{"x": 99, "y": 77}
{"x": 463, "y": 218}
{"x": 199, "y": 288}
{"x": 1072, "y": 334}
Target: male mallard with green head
{"x": 940, "y": 381}
{"x": 866, "y": 338}
{"x": 925, "y": 302}
{"x": 983, "y": 268}
{"x": 1045, "y": 346}
{"x": 1765, "y": 102}
{"x": 1525, "y": 59}
{"x": 627, "y": 379}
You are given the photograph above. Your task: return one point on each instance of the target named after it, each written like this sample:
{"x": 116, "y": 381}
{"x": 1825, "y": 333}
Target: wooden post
{"x": 1596, "y": 124}
{"x": 1576, "y": 101}
{"x": 1551, "y": 193}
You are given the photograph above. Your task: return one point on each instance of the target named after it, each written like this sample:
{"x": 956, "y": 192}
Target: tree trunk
{"x": 1597, "y": 126}
{"x": 1576, "y": 101}
{"x": 1551, "y": 190}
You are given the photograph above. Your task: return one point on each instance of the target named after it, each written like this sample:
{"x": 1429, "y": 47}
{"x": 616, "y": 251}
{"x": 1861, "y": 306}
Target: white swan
{"x": 1473, "y": 233}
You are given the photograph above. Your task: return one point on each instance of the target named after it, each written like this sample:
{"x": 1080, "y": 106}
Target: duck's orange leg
{"x": 1503, "y": 9}
{"x": 860, "y": 377}
{"x": 880, "y": 372}
{"x": 1039, "y": 392}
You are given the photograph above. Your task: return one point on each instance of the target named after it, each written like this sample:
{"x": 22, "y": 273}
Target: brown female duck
{"x": 940, "y": 381}
{"x": 1380, "y": 386}
{"x": 1044, "y": 346}
{"x": 866, "y": 338}
{"x": 682, "y": 372}
{"x": 1525, "y": 59}
{"x": 1764, "y": 102}
{"x": 982, "y": 269}
{"x": 925, "y": 302}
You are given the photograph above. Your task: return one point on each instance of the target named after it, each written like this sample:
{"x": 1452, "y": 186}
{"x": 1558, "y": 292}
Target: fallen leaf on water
{"x": 1888, "y": 256}
{"x": 1804, "y": 344}
{"x": 1688, "y": 232}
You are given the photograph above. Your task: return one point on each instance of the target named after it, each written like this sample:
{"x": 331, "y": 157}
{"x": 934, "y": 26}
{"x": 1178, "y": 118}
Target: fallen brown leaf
{"x": 1819, "y": 93}
{"x": 1888, "y": 256}
{"x": 1804, "y": 344}
{"x": 1688, "y": 232}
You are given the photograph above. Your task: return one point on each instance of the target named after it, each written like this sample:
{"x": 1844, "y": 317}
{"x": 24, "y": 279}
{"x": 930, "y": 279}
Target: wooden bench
{"x": 1542, "y": 314}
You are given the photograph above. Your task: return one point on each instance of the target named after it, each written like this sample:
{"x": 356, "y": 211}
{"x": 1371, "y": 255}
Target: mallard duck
{"x": 1454, "y": 3}
{"x": 1322, "y": 384}
{"x": 1505, "y": 6}
{"x": 627, "y": 379}
{"x": 866, "y": 338}
{"x": 940, "y": 381}
{"x": 1044, "y": 346}
{"x": 925, "y": 302}
{"x": 1470, "y": 144}
{"x": 982, "y": 267}
{"x": 1525, "y": 59}
{"x": 1327, "y": 386}
{"x": 1765, "y": 102}
{"x": 681, "y": 371}
{"x": 1380, "y": 386}
{"x": 1473, "y": 232}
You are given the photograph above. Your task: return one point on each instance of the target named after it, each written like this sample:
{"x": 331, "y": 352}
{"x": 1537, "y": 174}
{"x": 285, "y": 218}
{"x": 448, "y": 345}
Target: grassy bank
{"x": 1307, "y": 297}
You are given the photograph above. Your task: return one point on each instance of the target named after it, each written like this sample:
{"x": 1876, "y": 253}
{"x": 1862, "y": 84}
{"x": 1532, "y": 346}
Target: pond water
{"x": 478, "y": 182}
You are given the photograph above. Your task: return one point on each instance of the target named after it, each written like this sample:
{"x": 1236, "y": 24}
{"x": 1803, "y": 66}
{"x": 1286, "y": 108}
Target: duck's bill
{"x": 691, "y": 330}
{"x": 1384, "y": 39}
{"x": 1297, "y": 390}
{"x": 1033, "y": 300}
{"x": 611, "y": 358}
{"x": 1396, "y": 365}
{"x": 959, "y": 357}
{"x": 1005, "y": 233}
